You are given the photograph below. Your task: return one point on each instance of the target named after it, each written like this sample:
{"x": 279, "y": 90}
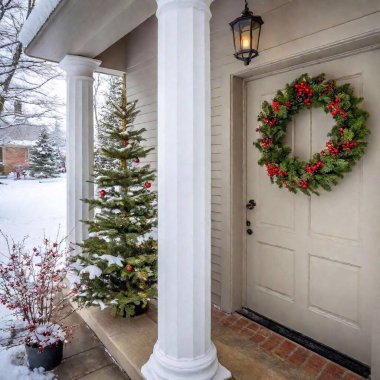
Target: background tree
{"x": 110, "y": 88}
{"x": 118, "y": 264}
{"x": 44, "y": 159}
{"x": 23, "y": 80}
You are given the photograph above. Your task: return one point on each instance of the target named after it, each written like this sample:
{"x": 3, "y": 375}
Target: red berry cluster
{"x": 334, "y": 108}
{"x": 331, "y": 148}
{"x": 304, "y": 184}
{"x": 275, "y": 105}
{"x": 273, "y": 170}
{"x": 266, "y": 143}
{"x": 348, "y": 145}
{"x": 313, "y": 168}
{"x": 330, "y": 86}
{"x": 288, "y": 105}
{"x": 304, "y": 90}
{"x": 268, "y": 120}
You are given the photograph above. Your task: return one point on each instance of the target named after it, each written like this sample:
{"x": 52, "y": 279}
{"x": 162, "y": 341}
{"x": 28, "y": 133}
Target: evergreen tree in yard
{"x": 117, "y": 267}
{"x": 43, "y": 161}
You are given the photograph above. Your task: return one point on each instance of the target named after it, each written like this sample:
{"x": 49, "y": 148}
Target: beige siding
{"x": 285, "y": 21}
{"x": 141, "y": 62}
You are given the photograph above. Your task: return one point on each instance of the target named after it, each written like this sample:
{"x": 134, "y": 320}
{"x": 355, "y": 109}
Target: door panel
{"x": 309, "y": 259}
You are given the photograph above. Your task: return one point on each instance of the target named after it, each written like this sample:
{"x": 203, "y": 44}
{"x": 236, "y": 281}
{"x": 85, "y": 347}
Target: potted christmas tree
{"x": 31, "y": 287}
{"x": 117, "y": 266}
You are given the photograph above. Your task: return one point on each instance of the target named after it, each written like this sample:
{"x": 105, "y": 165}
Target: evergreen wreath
{"x": 346, "y": 144}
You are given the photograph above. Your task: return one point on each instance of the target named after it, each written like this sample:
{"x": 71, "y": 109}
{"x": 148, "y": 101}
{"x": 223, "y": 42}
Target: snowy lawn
{"x": 29, "y": 208}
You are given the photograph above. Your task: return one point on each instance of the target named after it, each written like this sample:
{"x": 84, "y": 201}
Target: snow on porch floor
{"x": 251, "y": 351}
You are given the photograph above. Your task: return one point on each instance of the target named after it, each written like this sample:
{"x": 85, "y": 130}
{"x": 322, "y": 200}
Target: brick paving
{"x": 307, "y": 364}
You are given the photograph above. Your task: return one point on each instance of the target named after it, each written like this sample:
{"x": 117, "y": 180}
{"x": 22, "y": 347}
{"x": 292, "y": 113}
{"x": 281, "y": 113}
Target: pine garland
{"x": 345, "y": 147}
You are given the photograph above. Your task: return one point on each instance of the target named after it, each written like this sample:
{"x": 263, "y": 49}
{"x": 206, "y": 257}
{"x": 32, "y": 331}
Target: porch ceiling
{"x": 81, "y": 27}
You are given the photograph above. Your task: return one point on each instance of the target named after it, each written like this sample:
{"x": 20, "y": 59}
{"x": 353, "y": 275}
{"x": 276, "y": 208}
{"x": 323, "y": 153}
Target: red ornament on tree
{"x": 137, "y": 160}
{"x": 102, "y": 193}
{"x": 148, "y": 185}
{"x": 129, "y": 268}
{"x": 126, "y": 142}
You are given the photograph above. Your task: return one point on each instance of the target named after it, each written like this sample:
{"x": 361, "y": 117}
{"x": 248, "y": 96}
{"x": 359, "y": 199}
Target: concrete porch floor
{"x": 248, "y": 350}
{"x": 86, "y": 358}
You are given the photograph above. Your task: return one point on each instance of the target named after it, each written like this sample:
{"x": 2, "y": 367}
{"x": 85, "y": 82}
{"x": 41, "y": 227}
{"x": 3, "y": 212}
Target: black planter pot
{"x": 139, "y": 309}
{"x": 49, "y": 358}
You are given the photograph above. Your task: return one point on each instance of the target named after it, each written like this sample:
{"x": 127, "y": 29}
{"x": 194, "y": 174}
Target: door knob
{"x": 251, "y": 204}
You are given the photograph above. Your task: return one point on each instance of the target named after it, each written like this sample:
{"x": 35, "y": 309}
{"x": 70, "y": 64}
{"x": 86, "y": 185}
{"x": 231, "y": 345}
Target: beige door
{"x": 310, "y": 260}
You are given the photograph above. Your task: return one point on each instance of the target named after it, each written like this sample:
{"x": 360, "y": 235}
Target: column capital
{"x": 170, "y": 4}
{"x": 76, "y": 65}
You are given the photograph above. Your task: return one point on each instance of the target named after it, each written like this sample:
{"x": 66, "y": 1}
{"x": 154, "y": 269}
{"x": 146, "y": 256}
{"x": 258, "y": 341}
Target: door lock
{"x": 248, "y": 223}
{"x": 249, "y": 231}
{"x": 251, "y": 204}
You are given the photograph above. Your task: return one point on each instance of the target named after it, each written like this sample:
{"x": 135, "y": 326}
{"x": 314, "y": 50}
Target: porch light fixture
{"x": 246, "y": 34}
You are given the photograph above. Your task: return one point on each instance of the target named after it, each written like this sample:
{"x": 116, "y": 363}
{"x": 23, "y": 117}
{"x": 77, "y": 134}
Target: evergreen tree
{"x": 43, "y": 162}
{"x": 107, "y": 117}
{"x": 117, "y": 267}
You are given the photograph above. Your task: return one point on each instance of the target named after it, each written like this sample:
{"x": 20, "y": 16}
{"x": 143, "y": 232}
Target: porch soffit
{"x": 56, "y": 28}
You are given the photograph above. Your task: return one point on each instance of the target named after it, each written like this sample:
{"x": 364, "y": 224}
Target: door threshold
{"x": 309, "y": 343}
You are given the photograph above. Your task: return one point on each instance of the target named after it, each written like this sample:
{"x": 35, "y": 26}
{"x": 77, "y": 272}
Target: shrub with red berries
{"x": 346, "y": 139}
{"x": 32, "y": 284}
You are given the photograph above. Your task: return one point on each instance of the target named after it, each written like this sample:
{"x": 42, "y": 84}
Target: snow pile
{"x": 13, "y": 365}
{"x": 92, "y": 270}
{"x": 111, "y": 259}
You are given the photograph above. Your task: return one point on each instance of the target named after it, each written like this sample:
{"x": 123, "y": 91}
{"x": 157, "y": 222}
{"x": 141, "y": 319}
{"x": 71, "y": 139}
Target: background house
{"x": 15, "y": 143}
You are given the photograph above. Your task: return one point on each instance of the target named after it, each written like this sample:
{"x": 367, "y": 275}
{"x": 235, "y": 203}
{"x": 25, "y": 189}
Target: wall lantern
{"x": 246, "y": 33}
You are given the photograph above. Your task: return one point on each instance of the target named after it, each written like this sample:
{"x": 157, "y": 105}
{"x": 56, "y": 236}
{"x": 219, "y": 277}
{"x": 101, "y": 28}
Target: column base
{"x": 162, "y": 367}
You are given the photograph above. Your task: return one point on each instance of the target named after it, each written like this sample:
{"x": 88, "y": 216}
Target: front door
{"x": 310, "y": 259}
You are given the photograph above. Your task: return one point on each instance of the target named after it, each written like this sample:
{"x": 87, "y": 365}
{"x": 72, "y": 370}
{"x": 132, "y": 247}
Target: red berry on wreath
{"x": 276, "y": 105}
{"x": 137, "y": 160}
{"x": 148, "y": 185}
{"x": 126, "y": 142}
{"x": 102, "y": 193}
{"x": 129, "y": 268}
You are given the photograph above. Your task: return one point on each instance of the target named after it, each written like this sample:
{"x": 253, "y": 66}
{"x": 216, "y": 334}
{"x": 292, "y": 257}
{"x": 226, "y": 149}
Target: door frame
{"x": 234, "y": 78}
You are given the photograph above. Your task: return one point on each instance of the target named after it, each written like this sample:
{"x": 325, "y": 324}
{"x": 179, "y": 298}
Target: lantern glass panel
{"x": 242, "y": 35}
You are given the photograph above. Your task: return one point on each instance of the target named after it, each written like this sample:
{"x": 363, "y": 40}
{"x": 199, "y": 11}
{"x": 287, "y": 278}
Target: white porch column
{"x": 184, "y": 349}
{"x": 80, "y": 141}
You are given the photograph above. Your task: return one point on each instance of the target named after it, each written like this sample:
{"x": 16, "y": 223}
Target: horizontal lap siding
{"x": 221, "y": 37}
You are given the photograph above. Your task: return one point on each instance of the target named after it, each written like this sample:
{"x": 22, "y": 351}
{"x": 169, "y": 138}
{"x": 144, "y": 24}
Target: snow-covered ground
{"x": 29, "y": 208}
